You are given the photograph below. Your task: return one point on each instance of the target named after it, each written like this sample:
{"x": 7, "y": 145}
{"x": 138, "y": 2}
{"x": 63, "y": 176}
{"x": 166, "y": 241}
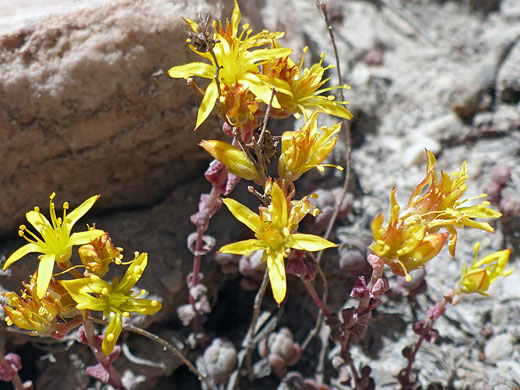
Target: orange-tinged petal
{"x": 45, "y": 269}
{"x": 233, "y": 158}
{"x": 429, "y": 247}
{"x": 244, "y": 247}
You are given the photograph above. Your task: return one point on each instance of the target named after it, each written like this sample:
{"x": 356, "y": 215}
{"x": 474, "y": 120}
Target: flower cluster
{"x": 245, "y": 69}
{"x": 252, "y": 75}
{"x": 413, "y": 237}
{"x": 48, "y": 306}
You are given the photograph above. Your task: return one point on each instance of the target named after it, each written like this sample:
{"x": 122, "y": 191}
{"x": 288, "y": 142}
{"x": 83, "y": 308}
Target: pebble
{"x": 415, "y": 154}
{"x": 508, "y": 78}
{"x": 498, "y": 348}
{"x": 439, "y": 128}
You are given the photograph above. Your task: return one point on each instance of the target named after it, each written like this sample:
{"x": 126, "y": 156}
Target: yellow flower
{"x": 273, "y": 236}
{"x": 304, "y": 95}
{"x": 404, "y": 245}
{"x": 38, "y": 315}
{"x": 484, "y": 272}
{"x": 238, "y": 67}
{"x": 233, "y": 158}
{"x": 115, "y": 300}
{"x": 56, "y": 242}
{"x": 440, "y": 205}
{"x": 305, "y": 149}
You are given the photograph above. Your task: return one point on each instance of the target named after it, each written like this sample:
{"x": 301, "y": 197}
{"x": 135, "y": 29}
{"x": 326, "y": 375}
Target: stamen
{"x": 407, "y": 275}
{"x": 305, "y": 49}
{"x": 65, "y": 208}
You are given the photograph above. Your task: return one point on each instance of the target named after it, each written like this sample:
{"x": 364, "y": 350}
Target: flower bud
{"x": 233, "y": 158}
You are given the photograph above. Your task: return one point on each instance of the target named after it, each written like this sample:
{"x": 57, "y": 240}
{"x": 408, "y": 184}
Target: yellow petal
{"x": 276, "y": 268}
{"x": 279, "y": 204}
{"x": 233, "y": 158}
{"x": 38, "y": 220}
{"x": 192, "y": 24}
{"x": 80, "y": 211}
{"x": 235, "y": 18}
{"x": 112, "y": 333}
{"x": 309, "y": 242}
{"x": 133, "y": 273}
{"x": 141, "y": 306}
{"x": 200, "y": 69}
{"x": 244, "y": 247}
{"x": 244, "y": 215}
{"x": 85, "y": 237}
{"x": 45, "y": 269}
{"x": 207, "y": 104}
{"x": 335, "y": 108}
{"x": 21, "y": 252}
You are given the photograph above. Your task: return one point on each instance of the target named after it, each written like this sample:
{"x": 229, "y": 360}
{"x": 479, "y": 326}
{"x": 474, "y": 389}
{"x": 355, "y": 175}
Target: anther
{"x": 104, "y": 291}
{"x": 110, "y": 337}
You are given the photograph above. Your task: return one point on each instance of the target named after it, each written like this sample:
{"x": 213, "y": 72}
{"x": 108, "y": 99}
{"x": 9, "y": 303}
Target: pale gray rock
{"x": 508, "y": 80}
{"x": 498, "y": 348}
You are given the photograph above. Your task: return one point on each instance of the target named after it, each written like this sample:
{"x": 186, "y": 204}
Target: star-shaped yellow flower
{"x": 40, "y": 316}
{"x": 299, "y": 88}
{"x": 56, "y": 240}
{"x": 115, "y": 300}
{"x": 238, "y": 67}
{"x": 305, "y": 149}
{"x": 404, "y": 245}
{"x": 484, "y": 272}
{"x": 273, "y": 236}
{"x": 440, "y": 205}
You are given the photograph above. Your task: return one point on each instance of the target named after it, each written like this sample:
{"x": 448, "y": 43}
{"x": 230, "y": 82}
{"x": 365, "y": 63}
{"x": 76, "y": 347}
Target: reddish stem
{"x": 90, "y": 334}
{"x": 316, "y": 298}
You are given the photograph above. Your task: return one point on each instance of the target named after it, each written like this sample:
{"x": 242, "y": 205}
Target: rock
{"x": 508, "y": 78}
{"x": 86, "y": 105}
{"x": 498, "y": 348}
{"x": 440, "y": 128}
{"x": 414, "y": 154}
{"x": 510, "y": 9}
{"x": 470, "y": 93}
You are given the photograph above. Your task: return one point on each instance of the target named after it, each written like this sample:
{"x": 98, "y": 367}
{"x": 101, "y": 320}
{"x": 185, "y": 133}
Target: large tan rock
{"x": 86, "y": 105}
